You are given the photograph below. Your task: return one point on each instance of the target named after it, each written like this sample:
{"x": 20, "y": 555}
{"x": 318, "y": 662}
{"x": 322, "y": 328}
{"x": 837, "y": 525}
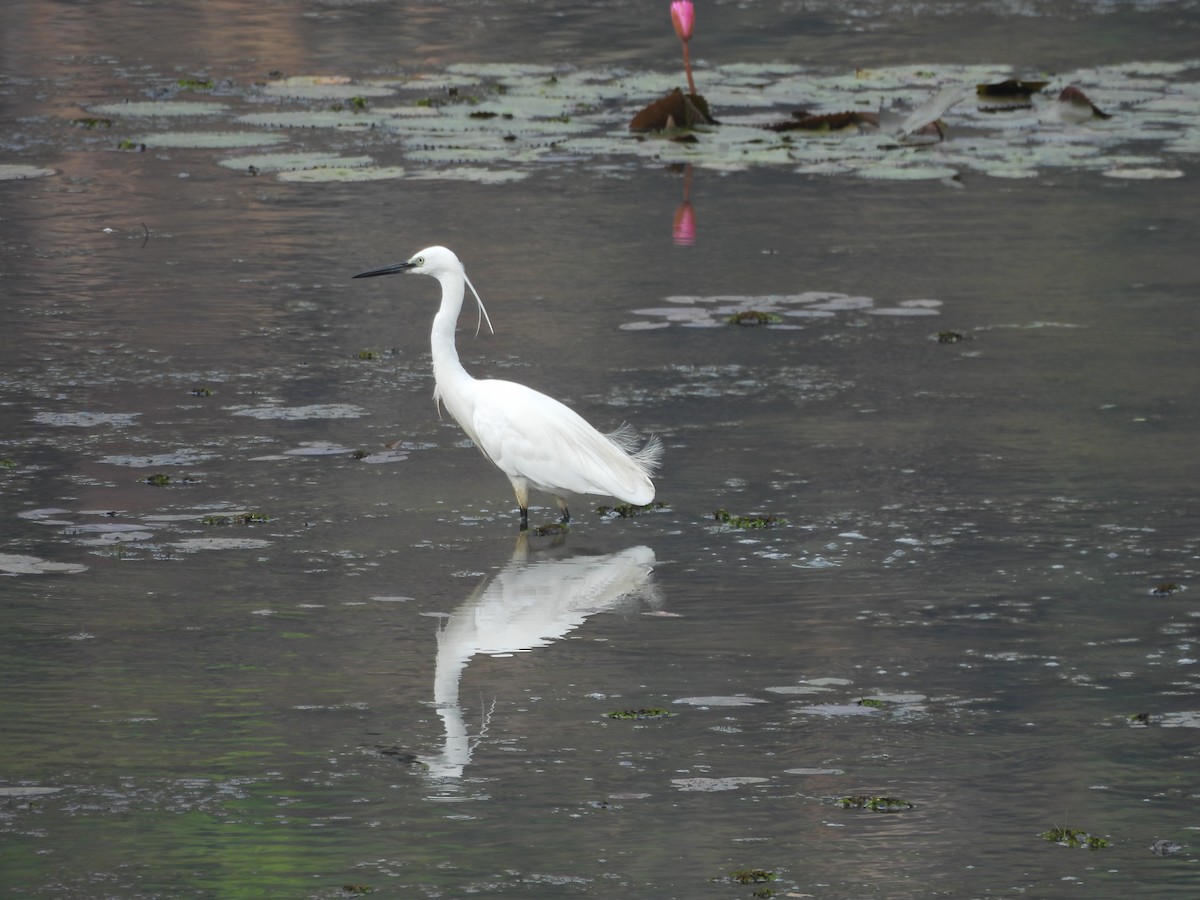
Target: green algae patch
{"x": 754, "y": 317}
{"x": 628, "y": 510}
{"x": 646, "y": 712}
{"x": 874, "y": 804}
{"x": 1073, "y": 837}
{"x": 754, "y": 520}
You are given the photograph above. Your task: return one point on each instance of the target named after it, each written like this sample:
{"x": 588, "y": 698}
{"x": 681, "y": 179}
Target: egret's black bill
{"x": 386, "y": 270}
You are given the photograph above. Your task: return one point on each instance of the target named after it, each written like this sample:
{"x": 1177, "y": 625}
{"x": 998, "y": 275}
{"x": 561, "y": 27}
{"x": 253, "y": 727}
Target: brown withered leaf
{"x": 805, "y": 121}
{"x": 1012, "y": 87}
{"x": 675, "y": 110}
{"x": 1078, "y": 99}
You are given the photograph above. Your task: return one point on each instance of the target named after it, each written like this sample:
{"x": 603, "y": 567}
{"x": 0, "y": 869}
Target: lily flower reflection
{"x": 527, "y": 604}
{"x": 683, "y": 229}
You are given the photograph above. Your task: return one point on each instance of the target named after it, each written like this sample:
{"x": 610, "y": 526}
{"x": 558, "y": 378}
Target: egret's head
{"x": 438, "y": 262}
{"x": 430, "y": 261}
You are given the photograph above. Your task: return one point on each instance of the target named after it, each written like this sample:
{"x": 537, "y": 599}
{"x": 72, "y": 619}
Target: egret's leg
{"x": 562, "y": 505}
{"x": 521, "y": 489}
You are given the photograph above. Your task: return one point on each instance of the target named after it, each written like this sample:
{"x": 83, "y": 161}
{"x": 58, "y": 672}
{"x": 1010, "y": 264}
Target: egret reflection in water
{"x": 529, "y": 603}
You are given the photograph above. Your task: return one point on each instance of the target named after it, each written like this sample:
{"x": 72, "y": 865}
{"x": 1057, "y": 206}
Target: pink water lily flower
{"x": 683, "y": 17}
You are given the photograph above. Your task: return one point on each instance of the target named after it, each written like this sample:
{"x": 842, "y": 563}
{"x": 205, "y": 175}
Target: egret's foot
{"x": 566, "y": 516}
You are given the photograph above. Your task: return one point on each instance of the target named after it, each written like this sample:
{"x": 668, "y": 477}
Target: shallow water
{"x": 374, "y": 684}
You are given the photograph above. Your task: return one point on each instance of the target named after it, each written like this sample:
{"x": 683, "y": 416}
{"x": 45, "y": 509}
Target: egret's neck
{"x": 445, "y": 355}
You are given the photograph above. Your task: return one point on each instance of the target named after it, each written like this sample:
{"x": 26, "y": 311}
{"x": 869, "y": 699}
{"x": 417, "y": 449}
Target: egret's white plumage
{"x": 534, "y": 439}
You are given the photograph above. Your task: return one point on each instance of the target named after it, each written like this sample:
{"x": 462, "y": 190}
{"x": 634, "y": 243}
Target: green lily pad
{"x": 211, "y": 140}
{"x": 290, "y": 162}
{"x": 18, "y": 172}
{"x": 160, "y": 109}
{"x": 342, "y": 173}
{"x": 321, "y": 88}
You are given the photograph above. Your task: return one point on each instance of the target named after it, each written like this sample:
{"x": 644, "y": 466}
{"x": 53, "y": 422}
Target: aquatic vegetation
{"x": 1166, "y": 589}
{"x": 1072, "y": 837}
{"x": 162, "y": 479}
{"x": 7, "y": 463}
{"x": 511, "y": 119}
{"x": 196, "y": 84}
{"x": 646, "y": 712}
{"x": 872, "y": 703}
{"x": 875, "y": 804}
{"x": 245, "y": 518}
{"x": 628, "y": 510}
{"x": 94, "y": 122}
{"x": 202, "y": 392}
{"x": 752, "y": 876}
{"x": 950, "y": 337}
{"x": 767, "y": 520}
{"x": 754, "y": 317}
{"x": 368, "y": 354}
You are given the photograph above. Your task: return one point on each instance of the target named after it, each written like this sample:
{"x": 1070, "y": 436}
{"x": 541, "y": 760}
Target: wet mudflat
{"x": 268, "y": 626}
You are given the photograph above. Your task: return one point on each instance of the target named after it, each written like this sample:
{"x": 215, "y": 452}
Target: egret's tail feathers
{"x": 647, "y": 456}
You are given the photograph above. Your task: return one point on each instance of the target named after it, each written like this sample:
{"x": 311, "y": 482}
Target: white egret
{"x": 534, "y": 439}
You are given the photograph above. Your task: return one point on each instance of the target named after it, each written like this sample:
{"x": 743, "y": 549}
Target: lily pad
{"x": 18, "y": 564}
{"x": 14, "y": 172}
{"x": 288, "y": 162}
{"x": 85, "y": 419}
{"x": 160, "y": 109}
{"x": 325, "y": 88}
{"x": 211, "y": 140}
{"x": 335, "y": 172}
{"x": 710, "y": 785}
{"x": 195, "y": 544}
{"x": 294, "y": 413}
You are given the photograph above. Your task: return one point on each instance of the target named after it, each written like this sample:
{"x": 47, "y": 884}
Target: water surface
{"x": 312, "y": 657}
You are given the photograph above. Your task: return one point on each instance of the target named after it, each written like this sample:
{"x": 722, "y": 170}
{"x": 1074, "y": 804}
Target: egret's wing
{"x": 532, "y": 436}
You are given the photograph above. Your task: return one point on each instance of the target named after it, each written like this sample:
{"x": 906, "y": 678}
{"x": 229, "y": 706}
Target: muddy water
{"x": 268, "y": 628}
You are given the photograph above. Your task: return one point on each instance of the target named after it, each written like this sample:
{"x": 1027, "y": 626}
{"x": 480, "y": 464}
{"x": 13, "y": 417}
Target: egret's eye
{"x": 420, "y": 261}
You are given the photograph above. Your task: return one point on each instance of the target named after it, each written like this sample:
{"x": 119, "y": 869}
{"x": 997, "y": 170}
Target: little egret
{"x": 533, "y": 439}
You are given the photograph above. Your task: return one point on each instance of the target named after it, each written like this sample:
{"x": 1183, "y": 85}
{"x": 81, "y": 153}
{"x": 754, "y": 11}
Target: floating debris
{"x": 1166, "y": 589}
